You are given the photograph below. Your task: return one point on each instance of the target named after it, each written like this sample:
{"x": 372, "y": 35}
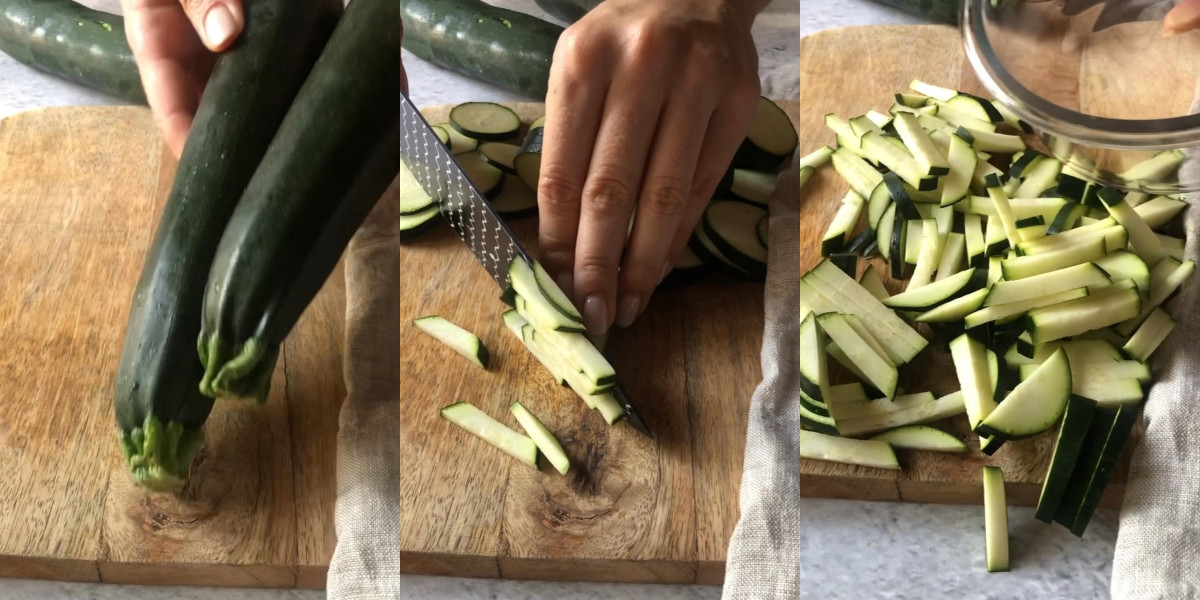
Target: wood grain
{"x": 82, "y": 189}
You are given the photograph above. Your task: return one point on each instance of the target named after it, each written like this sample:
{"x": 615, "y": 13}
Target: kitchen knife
{"x": 470, "y": 214}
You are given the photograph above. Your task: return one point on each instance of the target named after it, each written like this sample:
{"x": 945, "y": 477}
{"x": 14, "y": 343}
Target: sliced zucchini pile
{"x": 1048, "y": 291}
{"x": 730, "y": 237}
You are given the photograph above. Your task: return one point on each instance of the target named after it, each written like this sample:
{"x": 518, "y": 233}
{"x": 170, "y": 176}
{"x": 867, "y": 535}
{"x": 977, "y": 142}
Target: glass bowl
{"x": 1103, "y": 88}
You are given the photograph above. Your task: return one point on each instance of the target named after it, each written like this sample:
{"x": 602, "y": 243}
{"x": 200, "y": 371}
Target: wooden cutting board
{"x": 80, "y": 193}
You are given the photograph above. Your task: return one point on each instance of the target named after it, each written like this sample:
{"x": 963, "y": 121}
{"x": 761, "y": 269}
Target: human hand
{"x": 647, "y": 104}
{"x": 1184, "y": 16}
{"x": 175, "y": 43}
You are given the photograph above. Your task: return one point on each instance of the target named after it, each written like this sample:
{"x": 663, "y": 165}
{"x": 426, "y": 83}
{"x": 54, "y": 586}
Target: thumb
{"x": 1185, "y": 16}
{"x": 217, "y": 21}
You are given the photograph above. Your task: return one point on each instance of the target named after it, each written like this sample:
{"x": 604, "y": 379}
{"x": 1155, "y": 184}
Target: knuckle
{"x": 557, "y": 192}
{"x": 595, "y": 267}
{"x": 665, "y": 197}
{"x": 607, "y": 192}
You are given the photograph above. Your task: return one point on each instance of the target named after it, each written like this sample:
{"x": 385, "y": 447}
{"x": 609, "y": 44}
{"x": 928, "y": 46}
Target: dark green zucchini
{"x": 71, "y": 41}
{"x": 159, "y": 408}
{"x": 334, "y": 156}
{"x": 503, "y": 47}
{"x": 567, "y": 10}
{"x": 937, "y": 11}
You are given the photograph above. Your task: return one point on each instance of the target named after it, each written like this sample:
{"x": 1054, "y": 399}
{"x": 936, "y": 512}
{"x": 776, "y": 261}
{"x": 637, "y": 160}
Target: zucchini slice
{"x": 1112, "y": 305}
{"x": 528, "y": 161}
{"x": 1166, "y": 278}
{"x": 755, "y": 187}
{"x": 500, "y": 155}
{"x": 1160, "y": 211}
{"x": 904, "y": 410}
{"x": 873, "y": 283}
{"x": 1141, "y": 237}
{"x": 901, "y": 341}
{"x": 816, "y": 158}
{"x": 814, "y": 377}
{"x": 1149, "y": 335}
{"x": 1077, "y": 419}
{"x": 516, "y": 200}
{"x": 417, "y": 223}
{"x": 1020, "y": 267}
{"x": 1085, "y": 275}
{"x": 459, "y": 143}
{"x": 458, "y": 339}
{"x": 732, "y": 226}
{"x": 551, "y": 291}
{"x": 861, "y": 176}
{"x": 932, "y": 162}
{"x": 1123, "y": 264}
{"x": 879, "y": 371}
{"x": 867, "y": 453}
{"x": 939, "y": 292}
{"x": 542, "y": 437}
{"x": 547, "y": 304}
{"x": 443, "y": 136}
{"x": 413, "y": 198}
{"x": 1035, "y": 405}
{"x": 998, "y": 312}
{"x": 478, "y": 423}
{"x": 848, "y": 408}
{"x": 485, "y": 121}
{"x": 952, "y": 256}
{"x": 995, "y": 519}
{"x": 1107, "y": 436}
{"x": 1156, "y": 168}
{"x": 843, "y": 223}
{"x": 921, "y": 437}
{"x": 771, "y": 139}
{"x": 971, "y": 361}
{"x": 898, "y": 159}
{"x": 487, "y": 179}
{"x": 847, "y": 392}
{"x": 956, "y": 309}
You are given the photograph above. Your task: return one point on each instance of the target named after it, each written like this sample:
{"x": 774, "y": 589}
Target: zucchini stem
{"x": 159, "y": 457}
{"x": 242, "y": 372}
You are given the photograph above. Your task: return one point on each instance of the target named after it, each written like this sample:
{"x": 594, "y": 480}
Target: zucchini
{"x": 158, "y": 404}
{"x": 995, "y": 510}
{"x": 487, "y": 43}
{"x": 458, "y": 339}
{"x": 868, "y": 453}
{"x": 1035, "y": 405}
{"x": 904, "y": 410}
{"x": 478, "y": 423}
{"x": 771, "y": 140}
{"x": 336, "y": 152}
{"x": 567, "y": 10}
{"x": 542, "y": 437}
{"x": 500, "y": 155}
{"x": 921, "y": 437}
{"x": 1076, "y": 420}
{"x": 69, "y": 40}
{"x": 485, "y": 121}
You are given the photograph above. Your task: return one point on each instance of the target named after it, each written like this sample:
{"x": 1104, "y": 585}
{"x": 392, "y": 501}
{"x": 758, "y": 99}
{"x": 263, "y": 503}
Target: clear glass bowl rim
{"x": 1045, "y": 116}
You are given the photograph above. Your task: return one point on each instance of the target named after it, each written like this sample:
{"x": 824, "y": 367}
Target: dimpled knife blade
{"x": 469, "y": 213}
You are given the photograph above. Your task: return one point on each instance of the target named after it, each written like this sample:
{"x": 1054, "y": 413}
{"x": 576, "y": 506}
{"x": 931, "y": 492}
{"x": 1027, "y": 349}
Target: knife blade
{"x": 470, "y": 214}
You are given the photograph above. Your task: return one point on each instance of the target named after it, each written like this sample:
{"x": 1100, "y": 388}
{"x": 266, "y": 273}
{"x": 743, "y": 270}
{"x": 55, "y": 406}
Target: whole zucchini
{"x": 336, "y": 152}
{"x": 937, "y": 11}
{"x": 69, "y": 40}
{"x": 507, "y": 48}
{"x": 567, "y": 10}
{"x": 159, "y": 408}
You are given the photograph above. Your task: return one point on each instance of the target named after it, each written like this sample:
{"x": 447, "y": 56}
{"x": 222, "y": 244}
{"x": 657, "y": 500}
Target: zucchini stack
{"x": 1047, "y": 291}
{"x": 294, "y": 141}
{"x": 731, "y": 237}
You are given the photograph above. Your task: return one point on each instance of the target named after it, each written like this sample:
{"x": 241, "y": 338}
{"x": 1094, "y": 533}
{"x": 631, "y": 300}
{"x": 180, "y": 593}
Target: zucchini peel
{"x": 159, "y": 457}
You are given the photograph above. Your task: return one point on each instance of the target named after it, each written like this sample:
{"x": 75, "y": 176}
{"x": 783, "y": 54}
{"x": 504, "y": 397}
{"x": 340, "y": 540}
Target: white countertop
{"x": 859, "y": 550}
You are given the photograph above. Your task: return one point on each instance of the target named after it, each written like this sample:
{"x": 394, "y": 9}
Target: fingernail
{"x": 219, "y": 25}
{"x": 565, "y": 283}
{"x": 1183, "y": 17}
{"x": 627, "y": 310}
{"x": 595, "y": 314}
{"x": 666, "y": 270}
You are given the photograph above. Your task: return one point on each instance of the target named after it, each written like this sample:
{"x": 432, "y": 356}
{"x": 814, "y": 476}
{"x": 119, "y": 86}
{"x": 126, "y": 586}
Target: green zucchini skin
{"x": 336, "y": 153}
{"x": 567, "y": 10}
{"x": 74, "y": 42}
{"x": 506, "y": 48}
{"x": 159, "y": 408}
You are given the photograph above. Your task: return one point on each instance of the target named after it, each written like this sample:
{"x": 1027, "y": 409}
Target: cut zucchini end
{"x": 159, "y": 457}
{"x": 458, "y": 339}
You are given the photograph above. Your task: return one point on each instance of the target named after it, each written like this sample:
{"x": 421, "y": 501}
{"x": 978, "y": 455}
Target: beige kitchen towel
{"x": 763, "y": 559}
{"x": 1158, "y": 541}
{"x": 366, "y": 561}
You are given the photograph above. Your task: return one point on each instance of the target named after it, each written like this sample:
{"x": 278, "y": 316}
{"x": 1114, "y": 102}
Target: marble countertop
{"x": 857, "y": 549}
